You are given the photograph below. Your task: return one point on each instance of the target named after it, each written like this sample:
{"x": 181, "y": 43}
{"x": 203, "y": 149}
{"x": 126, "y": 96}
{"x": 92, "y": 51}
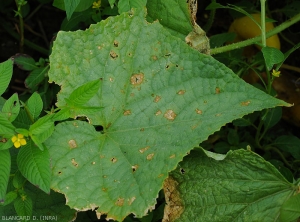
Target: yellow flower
{"x": 97, "y": 4}
{"x": 275, "y": 73}
{"x": 18, "y": 140}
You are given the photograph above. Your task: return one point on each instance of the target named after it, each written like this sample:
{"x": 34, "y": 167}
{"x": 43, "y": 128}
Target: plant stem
{"x": 26, "y": 42}
{"x": 281, "y": 155}
{"x": 21, "y": 25}
{"x": 210, "y": 19}
{"x": 263, "y": 22}
{"x": 247, "y": 42}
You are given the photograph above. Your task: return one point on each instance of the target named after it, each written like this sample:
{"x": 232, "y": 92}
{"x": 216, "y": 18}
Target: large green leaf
{"x": 240, "y": 186}
{"x": 160, "y": 98}
{"x": 6, "y": 69}
{"x": 34, "y": 164}
{"x": 172, "y": 14}
{"x": 4, "y": 173}
{"x": 44, "y": 206}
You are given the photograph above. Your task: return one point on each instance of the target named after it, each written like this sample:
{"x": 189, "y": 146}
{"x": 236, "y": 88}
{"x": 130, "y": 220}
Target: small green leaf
{"x": 25, "y": 132}
{"x": 24, "y": 62}
{"x": 272, "y": 117}
{"x": 11, "y": 107}
{"x": 290, "y": 144}
{"x": 5, "y": 163}
{"x": 34, "y": 164}
{"x": 62, "y": 114}
{"x": 84, "y": 93}
{"x": 126, "y": 5}
{"x": 233, "y": 137}
{"x": 70, "y": 6}
{"x": 9, "y": 197}
{"x": 23, "y": 205}
{"x": 290, "y": 210}
{"x": 5, "y": 143}
{"x": 18, "y": 180}
{"x": 239, "y": 186}
{"x": 22, "y": 120}
{"x": 173, "y": 15}
{"x": 6, "y": 69}
{"x": 272, "y": 56}
{"x": 111, "y": 2}
{"x": 36, "y": 77}
{"x": 35, "y": 105}
{"x": 41, "y": 125}
{"x": 6, "y": 128}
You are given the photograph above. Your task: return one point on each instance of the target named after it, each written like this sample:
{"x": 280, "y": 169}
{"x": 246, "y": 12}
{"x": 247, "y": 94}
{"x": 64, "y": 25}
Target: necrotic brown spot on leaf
{"x": 127, "y": 112}
{"x": 116, "y": 43}
{"x": 113, "y": 159}
{"x": 157, "y": 98}
{"x": 74, "y": 162}
{"x": 218, "y": 90}
{"x": 72, "y": 144}
{"x": 154, "y": 57}
{"x": 130, "y": 201}
{"x": 198, "y": 111}
{"x": 137, "y": 79}
{"x": 160, "y": 175}
{"x": 172, "y": 156}
{"x": 246, "y": 103}
{"x": 119, "y": 202}
{"x": 150, "y": 156}
{"x": 113, "y": 55}
{"x": 134, "y": 168}
{"x": 174, "y": 205}
{"x": 142, "y": 129}
{"x": 170, "y": 115}
{"x": 144, "y": 149}
{"x": 158, "y": 112}
{"x": 181, "y": 92}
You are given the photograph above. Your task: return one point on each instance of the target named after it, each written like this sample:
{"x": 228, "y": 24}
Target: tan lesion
{"x": 197, "y": 38}
{"x": 174, "y": 205}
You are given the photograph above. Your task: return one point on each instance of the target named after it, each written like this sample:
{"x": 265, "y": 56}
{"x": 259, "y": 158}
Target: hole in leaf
{"x": 99, "y": 128}
{"x": 116, "y": 43}
{"x": 113, "y": 54}
{"x": 134, "y": 168}
{"x": 182, "y": 171}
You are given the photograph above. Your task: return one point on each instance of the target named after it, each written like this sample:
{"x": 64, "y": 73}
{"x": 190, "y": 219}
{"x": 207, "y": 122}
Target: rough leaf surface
{"x": 160, "y": 98}
{"x": 240, "y": 187}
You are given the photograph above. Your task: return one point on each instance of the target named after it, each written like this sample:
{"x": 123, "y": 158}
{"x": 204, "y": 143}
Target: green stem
{"x": 263, "y": 22}
{"x": 281, "y": 156}
{"x": 26, "y": 42}
{"x": 247, "y": 42}
{"x": 210, "y": 19}
{"x": 21, "y": 25}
